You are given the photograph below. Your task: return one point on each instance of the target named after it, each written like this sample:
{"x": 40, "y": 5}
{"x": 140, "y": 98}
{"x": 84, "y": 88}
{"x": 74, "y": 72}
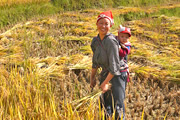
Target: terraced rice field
{"x": 45, "y": 65}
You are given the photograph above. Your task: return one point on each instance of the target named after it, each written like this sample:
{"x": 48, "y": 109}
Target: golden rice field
{"x": 45, "y": 66}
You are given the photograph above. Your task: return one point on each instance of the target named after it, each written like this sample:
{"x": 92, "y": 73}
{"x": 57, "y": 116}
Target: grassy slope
{"x": 56, "y": 49}
{"x": 13, "y": 11}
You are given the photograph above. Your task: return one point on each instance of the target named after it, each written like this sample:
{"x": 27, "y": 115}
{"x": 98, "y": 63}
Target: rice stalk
{"x": 100, "y": 112}
{"x": 53, "y": 107}
{"x": 142, "y": 115}
{"x": 165, "y": 115}
{"x": 87, "y": 99}
{"x": 19, "y": 114}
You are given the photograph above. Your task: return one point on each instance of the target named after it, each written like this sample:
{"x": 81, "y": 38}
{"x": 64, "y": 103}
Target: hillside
{"x": 45, "y": 65}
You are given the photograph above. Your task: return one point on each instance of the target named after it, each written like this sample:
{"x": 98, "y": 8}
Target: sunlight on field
{"x": 10, "y": 2}
{"x": 45, "y": 64}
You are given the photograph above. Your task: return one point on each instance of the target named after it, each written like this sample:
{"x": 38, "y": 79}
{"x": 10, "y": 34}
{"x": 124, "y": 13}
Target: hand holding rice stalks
{"x": 84, "y": 103}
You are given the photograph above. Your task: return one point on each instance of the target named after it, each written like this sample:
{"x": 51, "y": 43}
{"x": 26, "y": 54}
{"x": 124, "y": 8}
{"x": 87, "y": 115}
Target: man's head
{"x": 108, "y": 15}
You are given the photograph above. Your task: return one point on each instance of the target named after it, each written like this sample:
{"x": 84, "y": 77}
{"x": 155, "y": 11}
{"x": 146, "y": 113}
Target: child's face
{"x": 123, "y": 37}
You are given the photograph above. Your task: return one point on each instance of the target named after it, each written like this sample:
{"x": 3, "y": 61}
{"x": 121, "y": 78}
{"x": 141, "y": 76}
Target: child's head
{"x": 124, "y": 34}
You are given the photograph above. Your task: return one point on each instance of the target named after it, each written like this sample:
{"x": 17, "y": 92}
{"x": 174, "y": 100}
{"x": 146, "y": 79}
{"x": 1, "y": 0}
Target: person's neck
{"x": 102, "y": 36}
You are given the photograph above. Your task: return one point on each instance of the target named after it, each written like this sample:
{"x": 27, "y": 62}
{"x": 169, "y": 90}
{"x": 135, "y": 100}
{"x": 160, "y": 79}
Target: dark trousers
{"x": 113, "y": 99}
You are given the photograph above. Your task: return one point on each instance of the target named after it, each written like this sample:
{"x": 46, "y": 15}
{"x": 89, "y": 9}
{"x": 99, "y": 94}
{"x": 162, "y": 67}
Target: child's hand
{"x": 122, "y": 45}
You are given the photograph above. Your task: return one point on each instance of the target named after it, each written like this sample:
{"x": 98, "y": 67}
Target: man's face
{"x": 103, "y": 26}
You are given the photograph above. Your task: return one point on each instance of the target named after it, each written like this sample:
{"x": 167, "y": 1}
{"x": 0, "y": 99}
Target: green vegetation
{"x": 170, "y": 12}
{"x": 84, "y": 4}
{"x": 22, "y": 12}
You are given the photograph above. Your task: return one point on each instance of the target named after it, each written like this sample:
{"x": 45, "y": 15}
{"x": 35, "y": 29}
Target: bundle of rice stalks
{"x": 84, "y": 62}
{"x": 8, "y": 33}
{"x": 52, "y": 71}
{"x": 86, "y": 50}
{"x": 83, "y": 104}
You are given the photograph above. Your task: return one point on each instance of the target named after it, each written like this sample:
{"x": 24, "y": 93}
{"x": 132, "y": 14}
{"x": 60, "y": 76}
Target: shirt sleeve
{"x": 123, "y": 52}
{"x": 112, "y": 49}
{"x": 94, "y": 64}
{"x": 93, "y": 48}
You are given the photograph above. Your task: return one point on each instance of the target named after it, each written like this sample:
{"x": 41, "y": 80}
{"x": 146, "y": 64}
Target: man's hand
{"x": 105, "y": 87}
{"x": 92, "y": 82}
{"x": 92, "y": 79}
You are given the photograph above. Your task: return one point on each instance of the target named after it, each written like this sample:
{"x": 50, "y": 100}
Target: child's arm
{"x": 124, "y": 50}
{"x": 128, "y": 45}
{"x": 128, "y": 49}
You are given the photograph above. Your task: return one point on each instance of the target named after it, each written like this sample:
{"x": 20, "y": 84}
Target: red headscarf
{"x": 108, "y": 15}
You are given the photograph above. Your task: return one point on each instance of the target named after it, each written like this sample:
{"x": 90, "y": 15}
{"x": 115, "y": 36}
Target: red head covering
{"x": 124, "y": 30}
{"x": 107, "y": 14}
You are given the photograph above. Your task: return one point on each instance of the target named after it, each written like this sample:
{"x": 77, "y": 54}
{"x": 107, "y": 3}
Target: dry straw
{"x": 82, "y": 103}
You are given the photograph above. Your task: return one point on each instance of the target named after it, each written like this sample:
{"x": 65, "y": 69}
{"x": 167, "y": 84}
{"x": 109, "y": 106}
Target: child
{"x": 123, "y": 37}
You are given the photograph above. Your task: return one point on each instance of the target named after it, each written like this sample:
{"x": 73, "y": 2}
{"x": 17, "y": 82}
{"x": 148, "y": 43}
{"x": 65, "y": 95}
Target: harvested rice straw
{"x": 87, "y": 99}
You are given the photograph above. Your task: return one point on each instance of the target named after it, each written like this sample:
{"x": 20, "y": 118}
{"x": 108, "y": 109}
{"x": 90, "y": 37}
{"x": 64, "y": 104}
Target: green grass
{"x": 22, "y": 12}
{"x": 141, "y": 3}
{"x": 170, "y": 12}
{"x": 139, "y": 15}
{"x": 81, "y": 4}
{"x": 16, "y": 13}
